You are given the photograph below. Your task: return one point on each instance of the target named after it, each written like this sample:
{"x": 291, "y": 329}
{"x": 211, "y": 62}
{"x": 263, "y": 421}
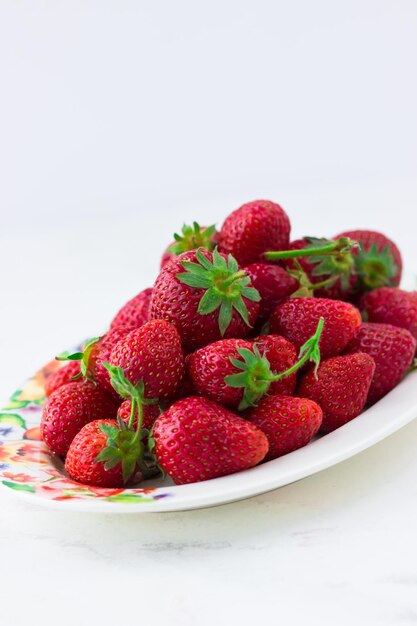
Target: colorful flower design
{"x": 26, "y": 464}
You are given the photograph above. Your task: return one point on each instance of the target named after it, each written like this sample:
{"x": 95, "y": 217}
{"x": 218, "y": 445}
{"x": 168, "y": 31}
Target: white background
{"x": 121, "y": 120}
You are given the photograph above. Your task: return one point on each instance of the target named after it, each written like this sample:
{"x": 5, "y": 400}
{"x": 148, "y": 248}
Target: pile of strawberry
{"x": 246, "y": 347}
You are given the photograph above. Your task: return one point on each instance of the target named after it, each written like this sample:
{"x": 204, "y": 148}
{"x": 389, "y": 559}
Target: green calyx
{"x": 193, "y": 237}
{"x": 224, "y": 285}
{"x": 330, "y": 258}
{"x": 375, "y": 268}
{"x": 125, "y": 444}
{"x": 83, "y": 357}
{"x": 306, "y": 288}
{"x": 256, "y": 375}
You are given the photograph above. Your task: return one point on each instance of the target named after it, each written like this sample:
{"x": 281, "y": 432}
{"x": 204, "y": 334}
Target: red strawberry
{"x": 253, "y": 229}
{"x": 111, "y": 452}
{"x": 392, "y": 349}
{"x": 274, "y": 284}
{"x": 207, "y": 296}
{"x": 208, "y": 367}
{"x": 340, "y": 387}
{"x": 297, "y": 320}
{"x": 191, "y": 238}
{"x": 81, "y": 463}
{"x": 391, "y": 305}
{"x": 152, "y": 354}
{"x": 69, "y": 408}
{"x": 378, "y": 261}
{"x": 237, "y": 373}
{"x": 134, "y": 313}
{"x": 289, "y": 423}
{"x": 63, "y": 376}
{"x": 150, "y": 414}
{"x": 197, "y": 439}
{"x": 338, "y": 268}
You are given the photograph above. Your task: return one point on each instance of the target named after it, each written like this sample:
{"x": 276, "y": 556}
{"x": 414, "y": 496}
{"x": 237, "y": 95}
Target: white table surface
{"x": 338, "y": 548}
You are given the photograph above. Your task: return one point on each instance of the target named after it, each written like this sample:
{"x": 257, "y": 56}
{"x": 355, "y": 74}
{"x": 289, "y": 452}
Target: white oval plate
{"x": 28, "y": 469}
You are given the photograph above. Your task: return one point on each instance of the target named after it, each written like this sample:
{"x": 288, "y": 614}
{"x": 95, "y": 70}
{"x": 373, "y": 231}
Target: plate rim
{"x": 321, "y": 454}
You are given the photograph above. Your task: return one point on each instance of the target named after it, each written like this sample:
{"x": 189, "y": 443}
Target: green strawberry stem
{"x": 309, "y": 351}
{"x": 124, "y": 445}
{"x": 306, "y": 288}
{"x": 224, "y": 286}
{"x": 342, "y": 246}
{"x": 193, "y": 237}
{"x": 255, "y": 375}
{"x": 83, "y": 357}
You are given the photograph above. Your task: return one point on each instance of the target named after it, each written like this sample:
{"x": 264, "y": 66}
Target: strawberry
{"x": 340, "y": 386}
{"x": 392, "y": 349}
{"x": 289, "y": 423}
{"x": 150, "y": 414}
{"x": 391, "y": 305}
{"x": 253, "y": 229}
{"x": 274, "y": 284}
{"x": 197, "y": 439}
{"x": 333, "y": 272}
{"x": 69, "y": 408}
{"x": 134, "y": 313}
{"x": 109, "y": 453}
{"x": 81, "y": 463}
{"x": 69, "y": 373}
{"x": 191, "y": 238}
{"x": 297, "y": 320}
{"x": 237, "y": 373}
{"x": 152, "y": 354}
{"x": 378, "y": 261}
{"x": 208, "y": 367}
{"x": 207, "y": 296}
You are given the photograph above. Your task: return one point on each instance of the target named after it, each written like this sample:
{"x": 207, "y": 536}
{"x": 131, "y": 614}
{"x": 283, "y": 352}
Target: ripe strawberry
{"x": 152, "y": 354}
{"x": 253, "y": 229}
{"x": 63, "y": 376}
{"x": 150, "y": 414}
{"x": 392, "y": 349}
{"x": 340, "y": 387}
{"x": 274, "y": 284}
{"x": 336, "y": 269}
{"x": 69, "y": 408}
{"x": 378, "y": 262}
{"x": 134, "y": 313}
{"x": 191, "y": 238}
{"x": 207, "y": 296}
{"x": 81, "y": 463}
{"x": 289, "y": 423}
{"x": 391, "y": 305}
{"x": 197, "y": 439}
{"x": 208, "y": 367}
{"x": 237, "y": 373}
{"x": 109, "y": 453}
{"x": 297, "y": 320}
